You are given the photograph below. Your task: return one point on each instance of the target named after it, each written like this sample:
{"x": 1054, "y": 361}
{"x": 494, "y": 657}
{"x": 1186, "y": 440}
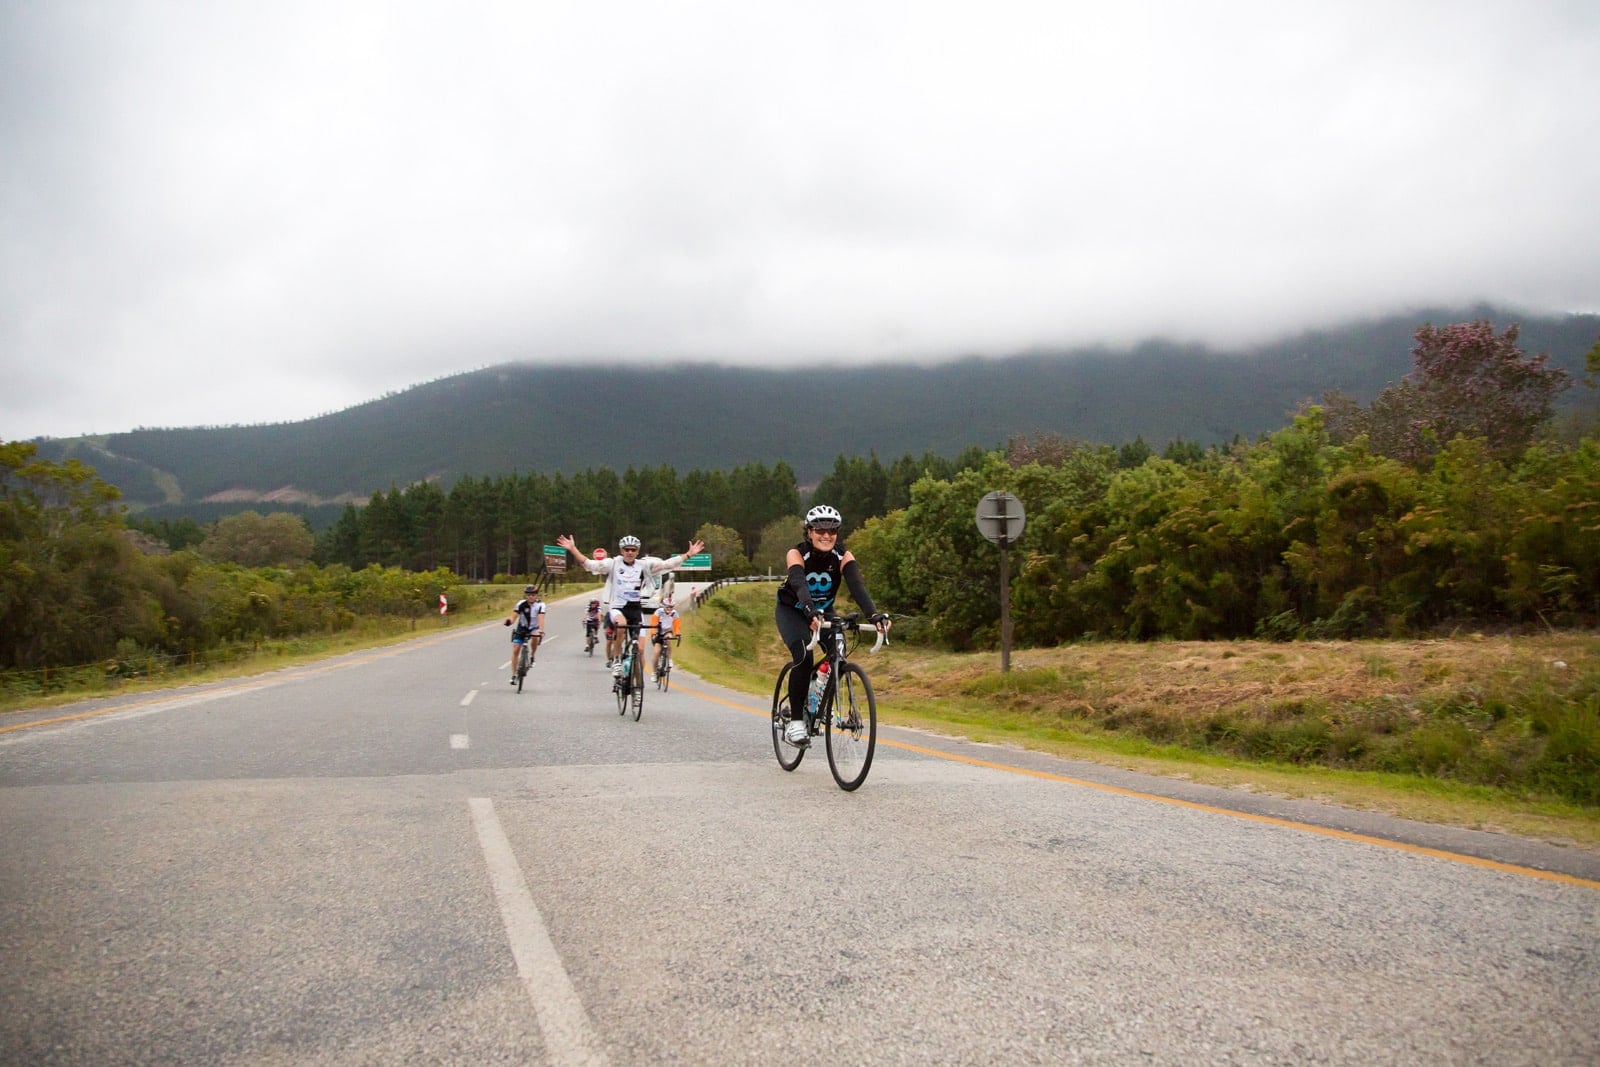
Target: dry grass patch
{"x": 1492, "y": 732}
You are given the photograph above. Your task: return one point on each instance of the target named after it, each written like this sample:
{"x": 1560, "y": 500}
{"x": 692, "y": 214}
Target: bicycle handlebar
{"x": 855, "y": 624}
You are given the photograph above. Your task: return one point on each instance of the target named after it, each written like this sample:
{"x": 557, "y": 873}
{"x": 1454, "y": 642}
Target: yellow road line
{"x": 1290, "y": 824}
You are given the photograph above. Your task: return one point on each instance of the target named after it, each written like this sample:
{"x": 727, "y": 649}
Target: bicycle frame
{"x": 629, "y": 688}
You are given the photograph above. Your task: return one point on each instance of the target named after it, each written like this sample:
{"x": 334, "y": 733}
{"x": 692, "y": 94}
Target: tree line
{"x": 500, "y": 525}
{"x": 1448, "y": 500}
{"x": 81, "y": 582}
{"x": 76, "y": 588}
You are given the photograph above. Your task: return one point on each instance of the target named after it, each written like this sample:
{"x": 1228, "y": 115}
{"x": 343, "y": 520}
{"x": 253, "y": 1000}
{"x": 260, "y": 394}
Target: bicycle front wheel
{"x": 619, "y": 686}
{"x": 522, "y": 665}
{"x": 789, "y": 757}
{"x": 637, "y": 685}
{"x": 852, "y": 727}
{"x": 664, "y": 671}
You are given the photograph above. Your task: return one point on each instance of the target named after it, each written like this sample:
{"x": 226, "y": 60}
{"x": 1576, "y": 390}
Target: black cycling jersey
{"x": 823, "y": 571}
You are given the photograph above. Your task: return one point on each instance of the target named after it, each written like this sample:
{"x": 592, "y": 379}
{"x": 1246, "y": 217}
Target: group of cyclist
{"x": 816, "y": 568}
{"x": 666, "y": 624}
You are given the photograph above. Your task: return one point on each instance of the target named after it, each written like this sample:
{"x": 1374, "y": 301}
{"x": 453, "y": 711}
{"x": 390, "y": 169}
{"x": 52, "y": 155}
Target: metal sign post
{"x": 1001, "y": 519}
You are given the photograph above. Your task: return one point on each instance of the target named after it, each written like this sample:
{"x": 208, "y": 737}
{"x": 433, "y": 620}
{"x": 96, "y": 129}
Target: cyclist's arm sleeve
{"x": 858, "y": 588}
{"x": 802, "y": 592}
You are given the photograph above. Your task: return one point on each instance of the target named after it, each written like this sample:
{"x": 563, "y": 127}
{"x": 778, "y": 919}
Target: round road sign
{"x": 1001, "y": 518}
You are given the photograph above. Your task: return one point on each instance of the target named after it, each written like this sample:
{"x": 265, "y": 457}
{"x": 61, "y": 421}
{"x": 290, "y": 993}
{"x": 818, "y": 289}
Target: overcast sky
{"x": 258, "y": 212}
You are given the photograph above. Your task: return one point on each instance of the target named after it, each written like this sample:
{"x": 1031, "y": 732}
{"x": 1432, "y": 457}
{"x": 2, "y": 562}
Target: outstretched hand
{"x": 567, "y": 541}
{"x": 695, "y": 547}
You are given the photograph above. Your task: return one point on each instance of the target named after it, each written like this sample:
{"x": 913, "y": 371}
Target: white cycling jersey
{"x": 632, "y": 583}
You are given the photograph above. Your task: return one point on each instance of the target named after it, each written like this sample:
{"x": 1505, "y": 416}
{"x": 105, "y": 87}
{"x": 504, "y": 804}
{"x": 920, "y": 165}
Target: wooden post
{"x": 1005, "y": 611}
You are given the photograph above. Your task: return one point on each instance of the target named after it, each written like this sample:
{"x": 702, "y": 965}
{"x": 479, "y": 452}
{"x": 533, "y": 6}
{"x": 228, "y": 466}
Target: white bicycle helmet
{"x": 629, "y": 541}
{"x": 824, "y": 517}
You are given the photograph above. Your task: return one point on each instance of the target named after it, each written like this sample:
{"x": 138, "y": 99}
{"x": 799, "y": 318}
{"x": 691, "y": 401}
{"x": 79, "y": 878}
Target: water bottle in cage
{"x": 819, "y": 682}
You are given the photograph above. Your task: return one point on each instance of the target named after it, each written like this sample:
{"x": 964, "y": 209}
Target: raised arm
{"x": 570, "y": 543}
{"x": 672, "y": 563}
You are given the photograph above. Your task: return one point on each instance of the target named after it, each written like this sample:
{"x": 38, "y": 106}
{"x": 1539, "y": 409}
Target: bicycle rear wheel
{"x": 638, "y": 684}
{"x": 789, "y": 757}
{"x": 852, "y": 727}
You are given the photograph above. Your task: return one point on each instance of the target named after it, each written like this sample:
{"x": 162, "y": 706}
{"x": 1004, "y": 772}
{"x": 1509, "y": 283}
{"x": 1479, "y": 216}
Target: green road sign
{"x": 700, "y": 561}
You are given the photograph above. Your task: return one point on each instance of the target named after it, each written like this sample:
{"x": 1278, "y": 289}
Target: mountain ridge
{"x": 563, "y": 418}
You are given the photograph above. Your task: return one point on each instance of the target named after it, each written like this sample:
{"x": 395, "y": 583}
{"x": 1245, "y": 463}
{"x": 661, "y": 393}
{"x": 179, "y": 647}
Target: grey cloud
{"x": 290, "y": 208}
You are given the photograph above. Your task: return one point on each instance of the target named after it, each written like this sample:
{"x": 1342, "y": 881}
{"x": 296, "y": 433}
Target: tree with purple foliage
{"x": 1467, "y": 381}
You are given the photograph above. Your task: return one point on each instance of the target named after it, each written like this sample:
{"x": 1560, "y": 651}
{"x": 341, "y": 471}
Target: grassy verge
{"x": 481, "y": 604}
{"x": 1493, "y": 733}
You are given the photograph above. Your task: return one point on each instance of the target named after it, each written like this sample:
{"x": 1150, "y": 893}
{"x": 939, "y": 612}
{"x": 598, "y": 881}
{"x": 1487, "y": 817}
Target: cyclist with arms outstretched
{"x": 630, "y": 581}
{"x": 818, "y": 565}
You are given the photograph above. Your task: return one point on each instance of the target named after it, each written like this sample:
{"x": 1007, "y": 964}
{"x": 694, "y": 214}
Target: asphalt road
{"x": 393, "y": 857}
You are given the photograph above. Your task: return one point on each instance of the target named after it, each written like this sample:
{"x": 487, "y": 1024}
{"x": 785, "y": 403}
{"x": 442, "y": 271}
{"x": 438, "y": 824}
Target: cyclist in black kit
{"x": 817, "y": 565}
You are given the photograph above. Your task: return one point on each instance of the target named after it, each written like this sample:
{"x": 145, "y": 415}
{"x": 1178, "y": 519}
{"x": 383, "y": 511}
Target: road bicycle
{"x": 591, "y": 636}
{"x": 847, "y": 713}
{"x": 523, "y": 651}
{"x": 664, "y": 662}
{"x": 629, "y": 688}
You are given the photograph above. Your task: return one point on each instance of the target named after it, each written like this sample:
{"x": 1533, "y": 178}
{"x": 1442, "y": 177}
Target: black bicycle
{"x": 523, "y": 651}
{"x": 629, "y": 688}
{"x": 846, "y": 714}
{"x": 664, "y": 662}
{"x": 591, "y": 635}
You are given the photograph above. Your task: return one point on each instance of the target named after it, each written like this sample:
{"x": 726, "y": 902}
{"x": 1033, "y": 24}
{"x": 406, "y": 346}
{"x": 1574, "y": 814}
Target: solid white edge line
{"x": 568, "y": 1036}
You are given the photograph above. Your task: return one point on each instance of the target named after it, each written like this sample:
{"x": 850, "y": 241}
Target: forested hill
{"x": 700, "y": 416}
